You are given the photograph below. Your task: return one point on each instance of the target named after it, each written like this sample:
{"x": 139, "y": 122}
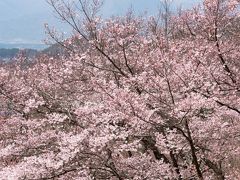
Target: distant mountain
{"x": 9, "y": 51}
{"x": 7, "y": 54}
{"x": 22, "y": 46}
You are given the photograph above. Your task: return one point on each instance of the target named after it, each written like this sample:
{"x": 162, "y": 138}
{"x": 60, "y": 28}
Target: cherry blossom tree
{"x": 126, "y": 101}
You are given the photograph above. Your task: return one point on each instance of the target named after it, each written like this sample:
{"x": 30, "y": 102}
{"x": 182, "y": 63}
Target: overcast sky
{"x": 23, "y": 20}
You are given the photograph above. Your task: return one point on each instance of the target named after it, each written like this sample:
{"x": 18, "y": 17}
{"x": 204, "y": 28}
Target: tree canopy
{"x": 131, "y": 98}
